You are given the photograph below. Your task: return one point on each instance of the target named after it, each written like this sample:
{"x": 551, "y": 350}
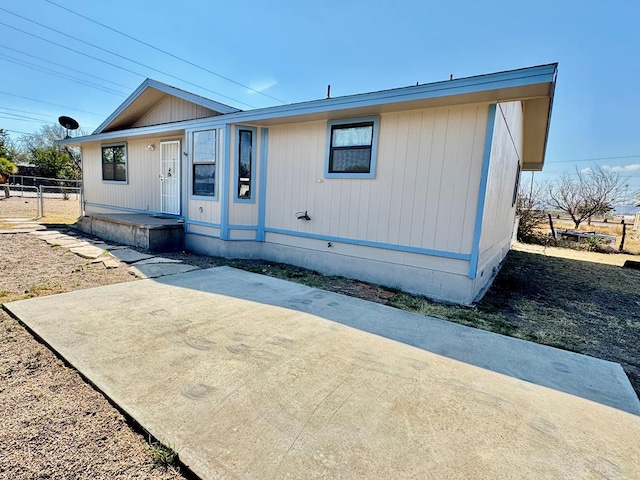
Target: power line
{"x": 27, "y": 120}
{"x": 66, "y": 67}
{"x": 54, "y": 104}
{"x": 594, "y": 159}
{"x": 80, "y": 81}
{"x": 164, "y": 51}
{"x": 25, "y": 111}
{"x": 113, "y": 53}
{"x": 14, "y": 131}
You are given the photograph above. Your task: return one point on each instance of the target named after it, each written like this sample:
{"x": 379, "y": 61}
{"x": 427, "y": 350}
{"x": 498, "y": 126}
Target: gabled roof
{"x": 145, "y": 97}
{"x": 534, "y": 86}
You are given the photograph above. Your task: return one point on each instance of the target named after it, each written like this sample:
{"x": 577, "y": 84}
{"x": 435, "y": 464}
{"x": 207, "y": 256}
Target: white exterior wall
{"x": 173, "y": 109}
{"x": 499, "y": 212}
{"x": 142, "y": 189}
{"x": 424, "y": 194}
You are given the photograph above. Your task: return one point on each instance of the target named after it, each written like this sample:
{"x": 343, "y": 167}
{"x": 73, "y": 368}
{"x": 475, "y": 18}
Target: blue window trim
{"x": 254, "y": 160}
{"x": 374, "y": 147}
{"x": 262, "y": 192}
{"x": 224, "y": 185}
{"x": 482, "y": 193}
{"x": 216, "y": 187}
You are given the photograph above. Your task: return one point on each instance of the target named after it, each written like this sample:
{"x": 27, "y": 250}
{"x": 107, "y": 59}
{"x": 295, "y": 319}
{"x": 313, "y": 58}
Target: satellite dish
{"x": 69, "y": 124}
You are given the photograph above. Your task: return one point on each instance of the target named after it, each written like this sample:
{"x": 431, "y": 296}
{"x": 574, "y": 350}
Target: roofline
{"x": 170, "y": 90}
{"x": 476, "y": 84}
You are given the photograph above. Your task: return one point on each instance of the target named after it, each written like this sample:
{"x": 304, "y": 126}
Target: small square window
{"x": 351, "y": 148}
{"x": 114, "y": 163}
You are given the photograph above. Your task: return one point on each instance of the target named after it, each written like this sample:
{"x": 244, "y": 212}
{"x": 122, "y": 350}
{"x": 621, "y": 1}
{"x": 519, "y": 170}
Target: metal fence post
{"x": 41, "y": 202}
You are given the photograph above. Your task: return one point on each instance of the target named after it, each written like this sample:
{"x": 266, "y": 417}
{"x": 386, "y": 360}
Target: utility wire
{"x": 26, "y": 120}
{"x": 115, "y": 54}
{"x": 66, "y": 67}
{"x": 165, "y": 52}
{"x": 54, "y": 104}
{"x": 593, "y": 159}
{"x": 80, "y": 81}
{"x": 25, "y": 111}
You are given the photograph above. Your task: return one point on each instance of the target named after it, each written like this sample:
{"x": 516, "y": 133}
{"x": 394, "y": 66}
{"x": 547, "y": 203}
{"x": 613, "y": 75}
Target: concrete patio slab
{"x": 155, "y": 270}
{"x": 225, "y": 367}
{"x": 128, "y": 255}
{"x": 156, "y": 260}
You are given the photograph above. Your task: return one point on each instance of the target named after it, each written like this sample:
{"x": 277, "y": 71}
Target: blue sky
{"x": 291, "y": 50}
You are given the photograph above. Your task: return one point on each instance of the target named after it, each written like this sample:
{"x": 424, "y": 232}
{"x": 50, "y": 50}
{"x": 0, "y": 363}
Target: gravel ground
{"x": 54, "y": 425}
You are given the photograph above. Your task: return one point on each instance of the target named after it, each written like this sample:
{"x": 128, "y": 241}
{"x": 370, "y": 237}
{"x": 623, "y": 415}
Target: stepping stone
{"x": 16, "y": 230}
{"x": 129, "y": 256}
{"x": 110, "y": 262}
{"x": 45, "y": 233}
{"x": 157, "y": 260}
{"x": 155, "y": 270}
{"x": 67, "y": 242}
{"x": 88, "y": 251}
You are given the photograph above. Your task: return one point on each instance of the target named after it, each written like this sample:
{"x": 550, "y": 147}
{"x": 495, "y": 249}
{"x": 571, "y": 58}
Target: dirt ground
{"x": 54, "y": 425}
{"x": 56, "y": 210}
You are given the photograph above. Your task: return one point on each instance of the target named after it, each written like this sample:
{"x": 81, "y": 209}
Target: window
{"x": 516, "y": 187}
{"x": 352, "y": 148}
{"x": 204, "y": 163}
{"x": 245, "y": 164}
{"x": 114, "y": 163}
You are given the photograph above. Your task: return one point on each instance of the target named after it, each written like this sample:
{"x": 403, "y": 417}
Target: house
{"x": 413, "y": 187}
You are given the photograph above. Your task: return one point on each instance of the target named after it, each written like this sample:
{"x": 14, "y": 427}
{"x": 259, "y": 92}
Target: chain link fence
{"x": 53, "y": 200}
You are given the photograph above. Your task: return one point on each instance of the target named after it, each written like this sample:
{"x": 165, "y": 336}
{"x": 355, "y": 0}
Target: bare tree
{"x": 592, "y": 191}
{"x": 530, "y": 208}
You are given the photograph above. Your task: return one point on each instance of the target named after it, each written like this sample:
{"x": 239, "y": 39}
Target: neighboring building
{"x": 413, "y": 187}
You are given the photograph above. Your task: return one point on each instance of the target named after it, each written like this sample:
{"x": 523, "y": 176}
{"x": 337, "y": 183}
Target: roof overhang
{"x": 145, "y": 97}
{"x": 534, "y": 86}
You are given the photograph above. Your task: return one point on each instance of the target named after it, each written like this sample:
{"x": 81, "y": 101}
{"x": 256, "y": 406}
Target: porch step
{"x": 158, "y": 234}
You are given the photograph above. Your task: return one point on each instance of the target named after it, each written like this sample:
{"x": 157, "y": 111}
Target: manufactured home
{"x": 413, "y": 187}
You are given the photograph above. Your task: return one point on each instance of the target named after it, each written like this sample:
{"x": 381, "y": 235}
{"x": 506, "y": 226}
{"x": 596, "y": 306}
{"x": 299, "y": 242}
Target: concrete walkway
{"x": 248, "y": 376}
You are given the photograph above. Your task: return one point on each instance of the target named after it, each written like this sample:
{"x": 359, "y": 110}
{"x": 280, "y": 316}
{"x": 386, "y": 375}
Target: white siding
{"x": 142, "y": 189}
{"x": 499, "y": 213}
{"x": 424, "y": 194}
{"x": 173, "y": 109}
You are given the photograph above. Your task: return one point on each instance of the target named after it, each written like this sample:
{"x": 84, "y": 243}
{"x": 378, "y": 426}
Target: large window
{"x": 114, "y": 163}
{"x": 245, "y": 164}
{"x": 204, "y": 163}
{"x": 352, "y": 148}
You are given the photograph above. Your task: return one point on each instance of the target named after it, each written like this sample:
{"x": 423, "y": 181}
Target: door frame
{"x": 179, "y": 173}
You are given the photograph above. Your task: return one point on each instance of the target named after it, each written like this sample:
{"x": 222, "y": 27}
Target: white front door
{"x": 170, "y": 177}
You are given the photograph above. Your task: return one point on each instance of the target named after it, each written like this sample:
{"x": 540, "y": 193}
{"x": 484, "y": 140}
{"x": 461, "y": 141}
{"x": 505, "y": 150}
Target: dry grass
{"x": 632, "y": 239}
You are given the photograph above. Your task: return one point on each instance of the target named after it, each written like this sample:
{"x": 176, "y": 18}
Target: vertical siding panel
{"x": 385, "y": 177}
{"x": 461, "y": 188}
{"x": 412, "y": 146}
{"x": 447, "y": 211}
{"x": 474, "y": 178}
{"x": 435, "y": 178}
{"x": 354, "y": 210}
{"x": 398, "y": 159}
{"x": 422, "y": 178}
{"x": 364, "y": 209}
